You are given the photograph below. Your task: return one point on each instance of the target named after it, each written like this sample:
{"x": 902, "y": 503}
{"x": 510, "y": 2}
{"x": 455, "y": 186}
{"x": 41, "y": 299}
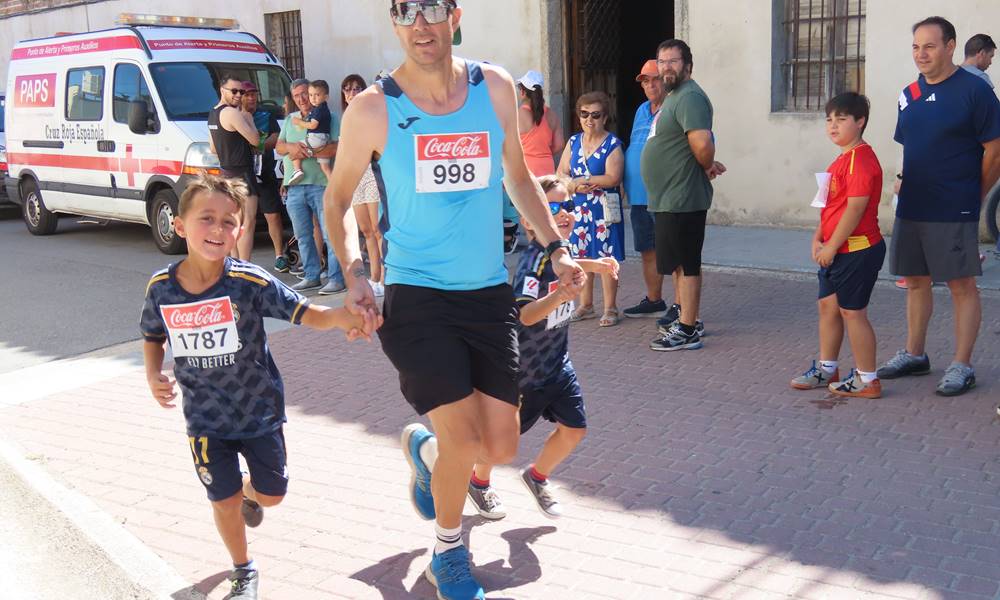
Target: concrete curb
{"x": 140, "y": 564}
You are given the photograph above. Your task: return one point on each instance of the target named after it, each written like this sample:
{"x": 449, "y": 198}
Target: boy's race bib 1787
{"x": 204, "y": 328}
{"x": 452, "y": 162}
{"x": 560, "y": 316}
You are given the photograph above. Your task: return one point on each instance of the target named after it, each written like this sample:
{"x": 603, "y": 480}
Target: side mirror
{"x": 138, "y": 117}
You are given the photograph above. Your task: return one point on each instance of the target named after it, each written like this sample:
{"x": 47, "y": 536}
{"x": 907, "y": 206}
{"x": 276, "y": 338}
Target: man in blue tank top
{"x": 441, "y": 135}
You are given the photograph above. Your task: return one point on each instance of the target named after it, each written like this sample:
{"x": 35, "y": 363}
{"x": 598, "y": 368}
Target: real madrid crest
{"x": 206, "y": 477}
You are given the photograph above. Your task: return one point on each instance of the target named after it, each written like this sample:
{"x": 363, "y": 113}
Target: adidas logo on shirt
{"x": 931, "y": 98}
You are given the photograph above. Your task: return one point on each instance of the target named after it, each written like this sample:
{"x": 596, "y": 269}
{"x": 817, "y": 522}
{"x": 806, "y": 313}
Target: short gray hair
{"x": 297, "y": 82}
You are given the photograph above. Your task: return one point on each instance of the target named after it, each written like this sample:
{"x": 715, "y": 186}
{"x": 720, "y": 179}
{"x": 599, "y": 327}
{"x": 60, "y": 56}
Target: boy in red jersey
{"x": 849, "y": 250}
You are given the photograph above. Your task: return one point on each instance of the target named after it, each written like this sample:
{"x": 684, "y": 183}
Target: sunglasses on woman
{"x": 566, "y": 205}
{"x": 434, "y": 11}
{"x": 596, "y": 115}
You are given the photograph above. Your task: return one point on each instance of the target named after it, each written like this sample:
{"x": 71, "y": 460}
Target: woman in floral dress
{"x": 594, "y": 161}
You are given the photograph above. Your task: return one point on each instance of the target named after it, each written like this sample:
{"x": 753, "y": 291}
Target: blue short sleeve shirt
{"x": 634, "y": 187}
{"x": 230, "y": 384}
{"x": 942, "y": 128}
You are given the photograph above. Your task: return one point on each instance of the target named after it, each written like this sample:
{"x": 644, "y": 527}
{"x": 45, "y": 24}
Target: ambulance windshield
{"x": 190, "y": 89}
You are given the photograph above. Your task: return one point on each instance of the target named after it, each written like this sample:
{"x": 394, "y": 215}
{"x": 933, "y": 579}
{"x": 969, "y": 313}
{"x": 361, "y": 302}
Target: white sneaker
{"x": 295, "y": 177}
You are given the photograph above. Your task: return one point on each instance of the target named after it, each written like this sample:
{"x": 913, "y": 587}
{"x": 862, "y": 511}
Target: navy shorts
{"x": 852, "y": 276}
{"x": 560, "y": 402}
{"x": 643, "y": 228}
{"x": 217, "y": 464}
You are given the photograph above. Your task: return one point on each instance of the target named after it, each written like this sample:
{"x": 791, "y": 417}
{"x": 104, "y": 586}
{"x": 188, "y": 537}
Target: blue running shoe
{"x": 449, "y": 572}
{"x": 414, "y": 435}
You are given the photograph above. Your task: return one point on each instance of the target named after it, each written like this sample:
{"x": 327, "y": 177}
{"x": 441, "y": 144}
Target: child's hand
{"x": 817, "y": 245}
{"x": 162, "y": 388}
{"x": 567, "y": 293}
{"x": 354, "y": 326}
{"x": 609, "y": 266}
{"x": 826, "y": 255}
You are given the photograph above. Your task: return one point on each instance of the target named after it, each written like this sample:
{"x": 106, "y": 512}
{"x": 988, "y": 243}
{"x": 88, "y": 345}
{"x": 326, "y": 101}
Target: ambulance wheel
{"x": 40, "y": 220}
{"x": 161, "y": 218}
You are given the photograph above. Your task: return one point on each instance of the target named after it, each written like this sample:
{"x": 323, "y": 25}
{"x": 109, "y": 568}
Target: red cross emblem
{"x": 129, "y": 165}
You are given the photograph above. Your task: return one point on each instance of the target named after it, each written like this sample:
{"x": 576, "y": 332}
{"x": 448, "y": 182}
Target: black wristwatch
{"x": 555, "y": 246}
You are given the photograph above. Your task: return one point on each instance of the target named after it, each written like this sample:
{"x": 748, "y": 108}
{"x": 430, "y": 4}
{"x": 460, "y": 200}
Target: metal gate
{"x": 593, "y": 53}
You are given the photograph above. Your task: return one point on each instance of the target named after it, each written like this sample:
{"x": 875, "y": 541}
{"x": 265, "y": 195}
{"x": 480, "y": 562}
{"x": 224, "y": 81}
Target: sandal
{"x": 582, "y": 314}
{"x": 610, "y": 318}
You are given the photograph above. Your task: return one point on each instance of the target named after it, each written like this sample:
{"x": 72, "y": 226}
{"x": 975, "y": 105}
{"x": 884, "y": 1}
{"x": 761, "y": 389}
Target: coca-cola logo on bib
{"x": 453, "y": 146}
{"x": 204, "y": 314}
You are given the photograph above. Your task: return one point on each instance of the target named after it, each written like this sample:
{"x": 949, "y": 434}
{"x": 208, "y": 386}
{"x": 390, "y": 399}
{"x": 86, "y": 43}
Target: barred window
{"x": 283, "y": 31}
{"x": 823, "y": 52}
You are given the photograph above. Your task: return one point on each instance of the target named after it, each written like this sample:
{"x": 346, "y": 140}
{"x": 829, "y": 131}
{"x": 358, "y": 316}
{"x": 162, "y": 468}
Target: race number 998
{"x": 454, "y": 173}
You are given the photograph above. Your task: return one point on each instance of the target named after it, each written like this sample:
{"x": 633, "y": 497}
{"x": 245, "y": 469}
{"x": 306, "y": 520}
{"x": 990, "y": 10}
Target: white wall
{"x": 339, "y": 36}
{"x": 772, "y": 156}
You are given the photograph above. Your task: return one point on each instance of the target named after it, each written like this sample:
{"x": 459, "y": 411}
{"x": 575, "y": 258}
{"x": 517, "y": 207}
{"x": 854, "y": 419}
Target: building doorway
{"x": 606, "y": 43}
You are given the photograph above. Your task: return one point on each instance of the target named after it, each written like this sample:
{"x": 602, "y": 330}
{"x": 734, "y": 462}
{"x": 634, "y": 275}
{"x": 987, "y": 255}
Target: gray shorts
{"x": 944, "y": 251}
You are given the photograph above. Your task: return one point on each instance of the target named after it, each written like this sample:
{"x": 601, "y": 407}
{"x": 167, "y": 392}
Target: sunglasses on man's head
{"x": 566, "y": 205}
{"x": 591, "y": 115}
{"x": 434, "y": 11}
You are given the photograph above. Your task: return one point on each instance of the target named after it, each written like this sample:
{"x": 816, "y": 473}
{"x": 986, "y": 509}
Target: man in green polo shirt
{"x": 305, "y": 197}
{"x": 678, "y": 164}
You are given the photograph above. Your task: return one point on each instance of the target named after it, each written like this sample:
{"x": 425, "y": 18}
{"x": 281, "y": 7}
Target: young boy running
{"x": 211, "y": 309}
{"x": 548, "y": 385}
{"x": 849, "y": 250}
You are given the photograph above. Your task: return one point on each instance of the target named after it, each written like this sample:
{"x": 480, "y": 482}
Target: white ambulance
{"x": 112, "y": 124}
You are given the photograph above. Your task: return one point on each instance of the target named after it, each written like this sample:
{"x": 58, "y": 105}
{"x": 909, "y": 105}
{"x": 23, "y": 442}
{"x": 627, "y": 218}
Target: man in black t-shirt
{"x": 267, "y": 126}
{"x": 232, "y": 137}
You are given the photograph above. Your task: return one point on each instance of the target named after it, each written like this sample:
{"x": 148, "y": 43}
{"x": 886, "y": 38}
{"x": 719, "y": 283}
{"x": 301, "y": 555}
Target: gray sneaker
{"x": 814, "y": 378}
{"x": 333, "y": 286}
{"x": 542, "y": 493}
{"x": 903, "y": 364}
{"x": 307, "y": 285}
{"x": 252, "y": 513}
{"x": 244, "y": 585}
{"x": 957, "y": 380}
{"x": 487, "y": 502}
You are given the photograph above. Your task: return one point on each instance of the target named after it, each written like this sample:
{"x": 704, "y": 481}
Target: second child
{"x": 548, "y": 384}
{"x": 319, "y": 122}
{"x": 849, "y": 249}
{"x": 210, "y": 308}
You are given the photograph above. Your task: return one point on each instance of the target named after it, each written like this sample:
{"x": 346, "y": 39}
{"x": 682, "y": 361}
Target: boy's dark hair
{"x": 978, "y": 43}
{"x": 320, "y": 84}
{"x": 947, "y": 29}
{"x": 850, "y": 103}
{"x": 550, "y": 182}
{"x": 235, "y": 189}
{"x": 682, "y": 46}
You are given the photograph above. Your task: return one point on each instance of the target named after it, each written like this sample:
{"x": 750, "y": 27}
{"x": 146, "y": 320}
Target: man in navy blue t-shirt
{"x": 949, "y": 126}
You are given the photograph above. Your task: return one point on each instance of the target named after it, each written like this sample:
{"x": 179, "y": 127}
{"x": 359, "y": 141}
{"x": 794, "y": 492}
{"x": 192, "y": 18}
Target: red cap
{"x": 648, "y": 70}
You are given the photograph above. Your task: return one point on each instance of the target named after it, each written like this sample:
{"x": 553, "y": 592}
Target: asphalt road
{"x": 45, "y": 557}
{"x": 78, "y": 290}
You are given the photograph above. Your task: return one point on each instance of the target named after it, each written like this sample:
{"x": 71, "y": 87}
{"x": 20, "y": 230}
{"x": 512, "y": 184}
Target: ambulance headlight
{"x": 199, "y": 159}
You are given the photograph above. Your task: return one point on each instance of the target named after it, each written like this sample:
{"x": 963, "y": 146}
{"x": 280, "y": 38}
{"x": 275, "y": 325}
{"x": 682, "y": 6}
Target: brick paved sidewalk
{"x": 703, "y": 475}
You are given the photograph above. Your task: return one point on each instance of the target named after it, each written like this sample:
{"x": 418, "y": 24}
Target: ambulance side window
{"x": 130, "y": 86}
{"x": 85, "y": 94}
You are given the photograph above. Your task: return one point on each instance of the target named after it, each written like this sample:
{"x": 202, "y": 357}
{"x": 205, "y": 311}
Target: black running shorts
{"x": 247, "y": 177}
{"x": 445, "y": 344}
{"x": 679, "y": 239}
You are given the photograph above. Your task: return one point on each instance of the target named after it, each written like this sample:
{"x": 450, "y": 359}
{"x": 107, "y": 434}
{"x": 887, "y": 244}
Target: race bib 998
{"x": 454, "y": 162}
{"x": 201, "y": 329}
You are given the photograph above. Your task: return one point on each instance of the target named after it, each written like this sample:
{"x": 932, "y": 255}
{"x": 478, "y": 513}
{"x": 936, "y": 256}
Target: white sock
{"x": 828, "y": 365}
{"x": 447, "y": 538}
{"x": 429, "y": 453}
{"x": 867, "y": 377}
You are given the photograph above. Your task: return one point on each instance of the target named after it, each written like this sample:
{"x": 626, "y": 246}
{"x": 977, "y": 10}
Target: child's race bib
{"x": 560, "y": 316}
{"x": 452, "y": 162}
{"x": 204, "y": 328}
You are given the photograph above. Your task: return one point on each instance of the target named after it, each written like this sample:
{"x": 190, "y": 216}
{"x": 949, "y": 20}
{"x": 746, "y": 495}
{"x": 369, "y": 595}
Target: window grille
{"x": 823, "y": 54}
{"x": 283, "y": 31}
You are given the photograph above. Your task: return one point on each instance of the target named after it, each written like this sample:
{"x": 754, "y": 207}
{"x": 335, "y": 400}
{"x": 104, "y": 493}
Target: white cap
{"x": 532, "y": 79}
